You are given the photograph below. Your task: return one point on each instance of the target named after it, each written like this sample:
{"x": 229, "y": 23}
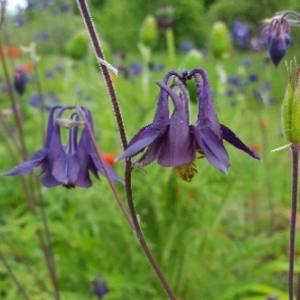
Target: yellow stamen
{"x": 187, "y": 172}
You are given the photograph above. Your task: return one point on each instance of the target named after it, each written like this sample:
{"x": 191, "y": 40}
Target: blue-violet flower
{"x": 172, "y": 141}
{"x": 67, "y": 165}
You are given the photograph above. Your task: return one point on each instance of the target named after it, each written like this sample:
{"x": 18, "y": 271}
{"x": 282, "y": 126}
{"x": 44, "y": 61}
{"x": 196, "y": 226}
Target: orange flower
{"x": 13, "y": 52}
{"x": 9, "y": 51}
{"x": 109, "y": 158}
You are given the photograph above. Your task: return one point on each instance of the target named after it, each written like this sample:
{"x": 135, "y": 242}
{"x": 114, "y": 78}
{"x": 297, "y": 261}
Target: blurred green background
{"x": 219, "y": 237}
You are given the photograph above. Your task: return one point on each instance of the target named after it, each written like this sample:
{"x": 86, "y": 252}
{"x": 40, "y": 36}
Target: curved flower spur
{"x": 67, "y": 165}
{"x": 172, "y": 141}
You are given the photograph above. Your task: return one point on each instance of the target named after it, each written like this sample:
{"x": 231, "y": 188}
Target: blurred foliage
{"x": 252, "y": 12}
{"x": 216, "y": 238}
{"x": 123, "y": 19}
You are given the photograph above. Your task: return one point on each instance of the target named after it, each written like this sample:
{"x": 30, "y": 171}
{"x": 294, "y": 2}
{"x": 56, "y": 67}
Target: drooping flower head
{"x": 68, "y": 164}
{"x": 279, "y": 36}
{"x": 172, "y": 141}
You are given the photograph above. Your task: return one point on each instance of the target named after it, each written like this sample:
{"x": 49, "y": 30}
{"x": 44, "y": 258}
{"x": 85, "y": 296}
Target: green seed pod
{"x": 287, "y": 106}
{"x": 220, "y": 40}
{"x": 149, "y": 32}
{"x": 290, "y": 110}
{"x": 296, "y": 109}
{"x": 77, "y": 47}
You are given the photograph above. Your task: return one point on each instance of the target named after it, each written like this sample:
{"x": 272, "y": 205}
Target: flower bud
{"x": 78, "y": 46}
{"x": 149, "y": 32}
{"x": 20, "y": 80}
{"x": 220, "y": 40}
{"x": 290, "y": 112}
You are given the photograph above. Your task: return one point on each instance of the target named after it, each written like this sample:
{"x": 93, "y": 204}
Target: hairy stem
{"x": 86, "y": 16}
{"x": 294, "y": 150}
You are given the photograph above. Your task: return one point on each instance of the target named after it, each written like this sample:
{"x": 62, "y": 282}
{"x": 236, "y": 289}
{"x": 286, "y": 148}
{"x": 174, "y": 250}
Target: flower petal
{"x": 212, "y": 147}
{"x": 206, "y": 109}
{"x": 113, "y": 176}
{"x": 231, "y": 138}
{"x": 142, "y": 139}
{"x": 177, "y": 148}
{"x": 65, "y": 168}
{"x": 26, "y": 167}
{"x": 48, "y": 180}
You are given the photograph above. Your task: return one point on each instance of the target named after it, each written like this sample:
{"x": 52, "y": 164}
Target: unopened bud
{"x": 220, "y": 40}
{"x": 149, "y": 32}
{"x": 78, "y": 46}
{"x": 20, "y": 80}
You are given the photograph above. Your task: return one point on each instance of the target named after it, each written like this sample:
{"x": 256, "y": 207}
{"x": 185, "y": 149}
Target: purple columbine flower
{"x": 278, "y": 39}
{"x": 172, "y": 141}
{"x": 68, "y": 165}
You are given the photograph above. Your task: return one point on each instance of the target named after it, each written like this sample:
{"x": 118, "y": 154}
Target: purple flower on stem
{"x": 172, "y": 141}
{"x": 20, "y": 80}
{"x": 67, "y": 165}
{"x": 278, "y": 39}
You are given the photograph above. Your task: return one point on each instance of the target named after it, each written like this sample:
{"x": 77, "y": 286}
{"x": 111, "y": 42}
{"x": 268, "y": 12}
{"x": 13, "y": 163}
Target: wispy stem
{"x": 26, "y": 265}
{"x": 13, "y": 277}
{"x": 47, "y": 248}
{"x": 294, "y": 150}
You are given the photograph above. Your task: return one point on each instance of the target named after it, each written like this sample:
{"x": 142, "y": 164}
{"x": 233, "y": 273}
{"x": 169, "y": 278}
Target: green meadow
{"x": 218, "y": 237}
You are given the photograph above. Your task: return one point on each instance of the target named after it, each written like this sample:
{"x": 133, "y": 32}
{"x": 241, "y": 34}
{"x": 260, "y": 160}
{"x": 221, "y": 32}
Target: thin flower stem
{"x": 47, "y": 248}
{"x": 86, "y": 16}
{"x": 111, "y": 183}
{"x": 13, "y": 277}
{"x": 298, "y": 288}
{"x": 139, "y": 233}
{"x": 41, "y": 97}
{"x": 26, "y": 265}
{"x": 294, "y": 150}
{"x": 15, "y": 106}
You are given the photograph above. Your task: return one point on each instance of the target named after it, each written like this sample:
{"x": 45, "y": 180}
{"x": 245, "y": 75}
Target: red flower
{"x": 109, "y": 158}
